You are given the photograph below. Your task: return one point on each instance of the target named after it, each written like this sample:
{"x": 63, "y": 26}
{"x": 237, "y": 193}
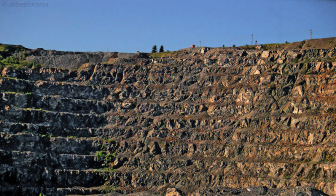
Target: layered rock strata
{"x": 200, "y": 119}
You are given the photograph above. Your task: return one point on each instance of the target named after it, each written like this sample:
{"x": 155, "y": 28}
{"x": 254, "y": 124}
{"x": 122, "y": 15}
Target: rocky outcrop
{"x": 74, "y": 60}
{"x": 215, "y": 121}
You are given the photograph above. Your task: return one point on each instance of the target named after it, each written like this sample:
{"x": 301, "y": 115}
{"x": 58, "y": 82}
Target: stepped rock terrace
{"x": 200, "y": 121}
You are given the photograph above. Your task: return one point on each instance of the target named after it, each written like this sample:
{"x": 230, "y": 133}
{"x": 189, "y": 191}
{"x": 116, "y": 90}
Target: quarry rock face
{"x": 200, "y": 122}
{"x": 72, "y": 60}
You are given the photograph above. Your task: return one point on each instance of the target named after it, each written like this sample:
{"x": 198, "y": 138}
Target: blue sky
{"x": 136, "y": 25}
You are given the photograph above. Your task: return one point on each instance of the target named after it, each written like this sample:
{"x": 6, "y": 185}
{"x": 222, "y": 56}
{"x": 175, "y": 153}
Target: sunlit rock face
{"x": 200, "y": 121}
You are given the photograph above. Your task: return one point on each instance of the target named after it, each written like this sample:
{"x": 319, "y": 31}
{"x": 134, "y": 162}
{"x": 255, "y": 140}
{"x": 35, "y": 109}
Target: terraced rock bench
{"x": 204, "y": 123}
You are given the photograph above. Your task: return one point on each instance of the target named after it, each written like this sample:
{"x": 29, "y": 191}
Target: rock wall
{"x": 215, "y": 121}
{"x": 73, "y": 60}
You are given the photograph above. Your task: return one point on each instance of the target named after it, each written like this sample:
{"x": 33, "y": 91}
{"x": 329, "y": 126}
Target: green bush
{"x": 9, "y": 60}
{"x": 107, "y": 187}
{"x": 11, "y": 48}
{"x": 105, "y": 157}
{"x": 17, "y": 61}
{"x": 13, "y": 63}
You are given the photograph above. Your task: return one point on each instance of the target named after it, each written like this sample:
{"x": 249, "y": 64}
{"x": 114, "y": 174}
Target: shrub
{"x": 9, "y": 60}
{"x": 107, "y": 187}
{"x": 105, "y": 157}
{"x": 17, "y": 62}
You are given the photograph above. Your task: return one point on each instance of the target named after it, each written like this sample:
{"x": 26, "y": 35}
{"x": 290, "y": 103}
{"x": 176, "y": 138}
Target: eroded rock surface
{"x": 214, "y": 121}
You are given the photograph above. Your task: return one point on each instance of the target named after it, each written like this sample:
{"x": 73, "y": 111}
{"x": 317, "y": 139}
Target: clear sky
{"x": 136, "y": 25}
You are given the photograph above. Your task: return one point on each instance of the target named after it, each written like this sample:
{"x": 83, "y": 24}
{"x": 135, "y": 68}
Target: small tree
{"x": 154, "y": 49}
{"x": 161, "y": 49}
